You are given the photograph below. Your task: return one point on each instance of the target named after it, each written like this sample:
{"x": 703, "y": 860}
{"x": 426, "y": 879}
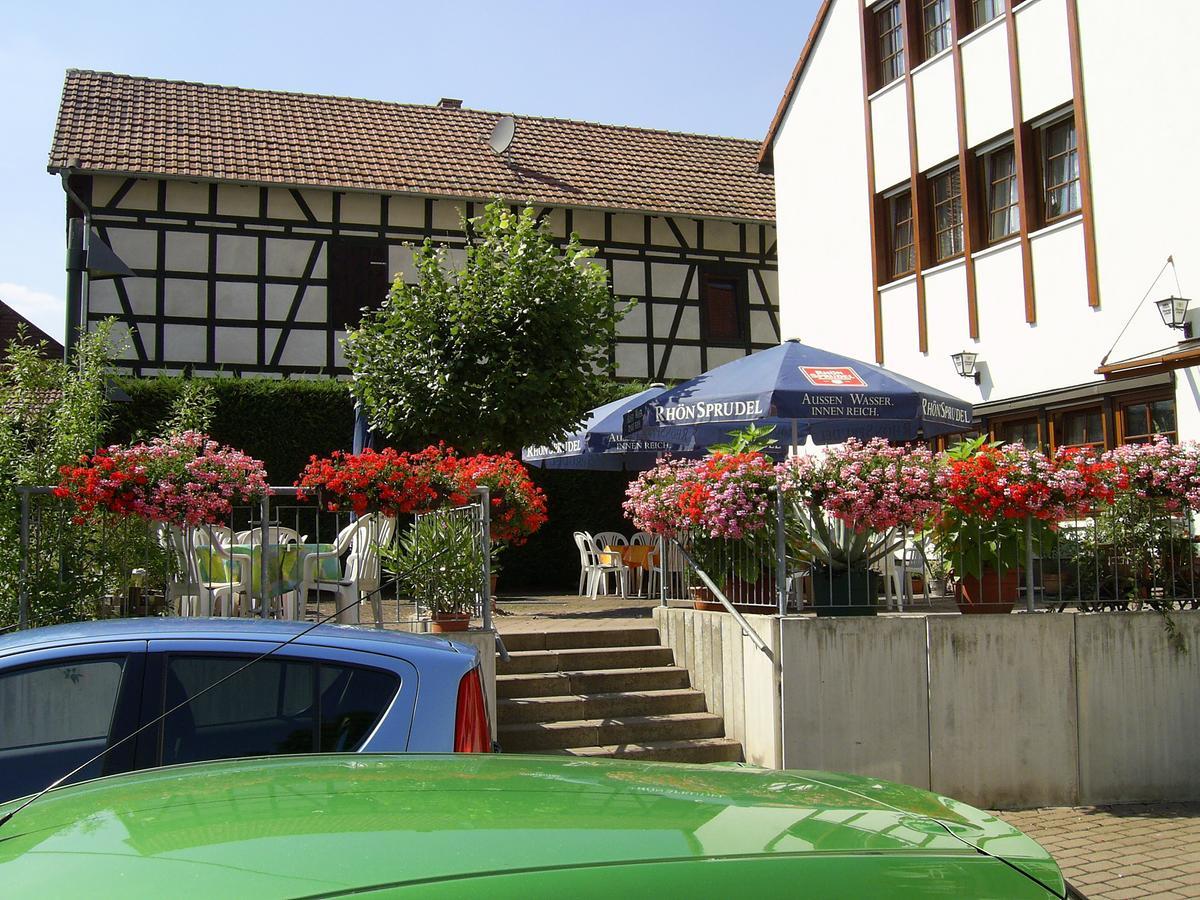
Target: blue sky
{"x": 704, "y": 66}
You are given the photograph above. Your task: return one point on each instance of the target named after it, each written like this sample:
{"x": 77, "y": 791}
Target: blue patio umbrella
{"x": 803, "y": 391}
{"x": 599, "y": 443}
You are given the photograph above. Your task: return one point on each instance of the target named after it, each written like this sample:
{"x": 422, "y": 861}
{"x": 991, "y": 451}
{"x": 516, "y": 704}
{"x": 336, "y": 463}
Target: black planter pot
{"x": 850, "y": 592}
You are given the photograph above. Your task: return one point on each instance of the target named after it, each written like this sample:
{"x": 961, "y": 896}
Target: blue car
{"x": 69, "y": 691}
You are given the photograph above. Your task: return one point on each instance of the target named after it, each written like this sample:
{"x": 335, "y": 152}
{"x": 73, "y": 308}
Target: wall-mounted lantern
{"x": 965, "y": 364}
{"x": 1174, "y": 312}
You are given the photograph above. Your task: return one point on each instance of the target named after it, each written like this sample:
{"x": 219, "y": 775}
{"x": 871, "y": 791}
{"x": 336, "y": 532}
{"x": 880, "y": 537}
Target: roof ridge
{"x": 423, "y": 106}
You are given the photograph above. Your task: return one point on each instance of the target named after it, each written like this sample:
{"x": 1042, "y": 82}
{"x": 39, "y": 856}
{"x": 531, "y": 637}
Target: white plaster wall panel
{"x": 143, "y": 195}
{"x": 1043, "y": 51}
{"x": 320, "y": 202}
{"x": 684, "y": 362}
{"x": 359, "y": 209}
{"x": 187, "y": 197}
{"x": 339, "y": 349}
{"x": 628, "y": 278}
{"x": 140, "y": 292}
{"x": 663, "y": 316}
{"x": 634, "y": 323}
{"x": 138, "y": 248}
{"x": 400, "y": 262}
{"x": 987, "y": 87}
{"x": 762, "y": 331}
{"x": 719, "y": 356}
{"x": 947, "y": 329}
{"x": 103, "y": 299}
{"x": 661, "y": 234}
{"x": 304, "y": 348}
{"x": 667, "y": 280}
{"x": 185, "y": 343}
{"x": 456, "y": 258}
{"x": 288, "y": 258}
{"x": 234, "y": 346}
{"x": 237, "y": 254}
{"x": 769, "y": 235}
{"x": 186, "y": 252}
{"x": 407, "y": 212}
{"x": 447, "y": 214}
{"x": 1187, "y": 403}
{"x": 281, "y": 205}
{"x": 689, "y": 325}
{"x": 721, "y": 236}
{"x": 313, "y": 307}
{"x": 104, "y": 187}
{"x": 236, "y": 300}
{"x": 631, "y": 361}
{"x": 237, "y": 200}
{"x": 185, "y": 297}
{"x": 588, "y": 224}
{"x": 934, "y": 100}
{"x": 556, "y": 221}
{"x": 899, "y": 303}
{"x": 825, "y": 260}
{"x": 628, "y": 229}
{"x": 889, "y": 124}
{"x": 122, "y": 338}
{"x": 770, "y": 280}
{"x": 1133, "y": 120}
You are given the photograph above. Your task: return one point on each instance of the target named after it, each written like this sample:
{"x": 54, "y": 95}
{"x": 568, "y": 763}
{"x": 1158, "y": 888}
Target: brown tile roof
{"x": 145, "y": 126}
{"x": 10, "y": 320}
{"x": 764, "y": 150}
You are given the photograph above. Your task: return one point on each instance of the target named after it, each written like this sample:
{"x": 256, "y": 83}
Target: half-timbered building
{"x": 259, "y": 223}
{"x": 1003, "y": 182}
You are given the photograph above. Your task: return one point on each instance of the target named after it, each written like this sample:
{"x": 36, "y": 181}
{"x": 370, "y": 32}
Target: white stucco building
{"x": 1008, "y": 178}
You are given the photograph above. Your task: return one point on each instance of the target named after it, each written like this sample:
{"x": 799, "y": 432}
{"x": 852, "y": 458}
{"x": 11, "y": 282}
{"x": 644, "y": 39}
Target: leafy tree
{"x": 510, "y": 350}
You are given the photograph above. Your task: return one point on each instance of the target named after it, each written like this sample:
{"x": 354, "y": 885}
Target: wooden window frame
{"x": 1065, "y": 120}
{"x": 934, "y": 230}
{"x": 941, "y": 31}
{"x": 1057, "y": 429}
{"x": 738, "y": 277}
{"x": 988, "y": 182}
{"x": 978, "y": 5}
{"x": 879, "y": 64}
{"x": 892, "y": 224}
{"x": 343, "y": 310}
{"x": 1023, "y": 418}
{"x": 1124, "y": 401}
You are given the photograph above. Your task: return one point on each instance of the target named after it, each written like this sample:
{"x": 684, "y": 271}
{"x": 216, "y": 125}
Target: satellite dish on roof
{"x": 502, "y": 134}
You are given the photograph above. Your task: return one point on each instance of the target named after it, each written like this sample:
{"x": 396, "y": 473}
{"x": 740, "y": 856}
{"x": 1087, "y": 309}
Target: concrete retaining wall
{"x": 999, "y": 711}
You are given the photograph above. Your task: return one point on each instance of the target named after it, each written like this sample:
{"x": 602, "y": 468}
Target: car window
{"x": 55, "y": 717}
{"x": 275, "y": 706}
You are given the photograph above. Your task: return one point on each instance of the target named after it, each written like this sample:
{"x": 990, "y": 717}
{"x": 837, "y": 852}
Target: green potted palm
{"x": 439, "y": 562}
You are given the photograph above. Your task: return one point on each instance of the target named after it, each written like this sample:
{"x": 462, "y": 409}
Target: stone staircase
{"x": 610, "y": 692}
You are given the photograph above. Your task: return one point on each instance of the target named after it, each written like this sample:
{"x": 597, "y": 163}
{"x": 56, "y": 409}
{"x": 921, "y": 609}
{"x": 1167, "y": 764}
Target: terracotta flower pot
{"x": 443, "y": 621}
{"x": 992, "y": 592}
{"x": 704, "y": 600}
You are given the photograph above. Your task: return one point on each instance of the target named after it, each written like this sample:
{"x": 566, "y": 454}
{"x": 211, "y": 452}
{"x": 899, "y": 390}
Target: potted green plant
{"x": 439, "y": 562}
{"x": 851, "y": 507}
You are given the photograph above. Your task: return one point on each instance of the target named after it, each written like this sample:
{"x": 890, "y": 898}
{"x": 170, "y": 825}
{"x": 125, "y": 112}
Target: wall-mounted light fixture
{"x": 965, "y": 364}
{"x": 1174, "y": 313}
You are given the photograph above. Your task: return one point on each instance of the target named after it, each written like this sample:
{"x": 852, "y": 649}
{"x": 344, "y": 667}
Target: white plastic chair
{"x": 585, "y": 563}
{"x": 602, "y": 568}
{"x": 276, "y": 534}
{"x": 905, "y": 568}
{"x": 643, "y": 537}
{"x": 362, "y": 574}
{"x": 611, "y": 539}
{"x": 651, "y": 575}
{"x": 216, "y": 539}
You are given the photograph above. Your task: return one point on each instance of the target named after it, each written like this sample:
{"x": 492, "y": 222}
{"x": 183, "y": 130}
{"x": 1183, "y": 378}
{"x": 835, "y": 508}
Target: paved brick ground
{"x": 1115, "y": 852}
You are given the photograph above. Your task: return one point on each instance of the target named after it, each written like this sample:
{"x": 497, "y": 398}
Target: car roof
{"x": 389, "y": 643}
{"x": 332, "y": 823}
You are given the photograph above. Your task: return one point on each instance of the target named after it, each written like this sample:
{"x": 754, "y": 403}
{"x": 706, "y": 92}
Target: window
{"x": 1019, "y": 431}
{"x": 358, "y": 278}
{"x": 1081, "y": 428}
{"x": 56, "y": 717}
{"x": 983, "y": 11}
{"x": 889, "y": 33}
{"x": 1060, "y": 169}
{"x": 1143, "y": 419}
{"x": 900, "y": 220}
{"x": 1004, "y": 214}
{"x": 275, "y": 706}
{"x": 722, "y": 317}
{"x": 935, "y": 19}
{"x": 947, "y": 214}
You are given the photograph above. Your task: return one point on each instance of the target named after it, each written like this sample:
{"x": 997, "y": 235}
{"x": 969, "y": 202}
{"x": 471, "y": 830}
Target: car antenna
{"x": 5, "y": 819}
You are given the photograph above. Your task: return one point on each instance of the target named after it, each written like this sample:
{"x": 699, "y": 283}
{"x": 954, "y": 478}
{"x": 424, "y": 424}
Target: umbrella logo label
{"x": 832, "y": 376}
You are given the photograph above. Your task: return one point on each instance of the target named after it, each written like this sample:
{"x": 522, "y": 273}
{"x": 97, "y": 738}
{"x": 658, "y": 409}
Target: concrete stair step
{"x": 703, "y": 750}
{"x": 549, "y": 684}
{"x": 523, "y": 662}
{"x": 534, "y": 737}
{"x": 520, "y": 710}
{"x": 565, "y": 640}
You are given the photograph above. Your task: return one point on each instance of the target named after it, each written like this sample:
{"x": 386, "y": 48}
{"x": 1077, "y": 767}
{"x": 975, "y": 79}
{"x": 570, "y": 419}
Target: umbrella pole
{"x": 795, "y": 439}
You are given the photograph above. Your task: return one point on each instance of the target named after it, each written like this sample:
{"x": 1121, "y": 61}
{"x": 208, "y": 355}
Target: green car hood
{"x": 323, "y": 825}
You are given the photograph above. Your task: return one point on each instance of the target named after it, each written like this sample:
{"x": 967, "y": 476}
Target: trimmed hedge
{"x": 283, "y": 422}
